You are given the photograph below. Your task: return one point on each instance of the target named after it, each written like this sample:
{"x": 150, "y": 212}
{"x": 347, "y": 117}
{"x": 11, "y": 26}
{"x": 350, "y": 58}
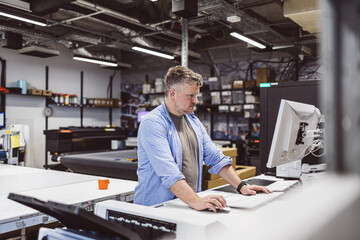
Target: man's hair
{"x": 179, "y": 76}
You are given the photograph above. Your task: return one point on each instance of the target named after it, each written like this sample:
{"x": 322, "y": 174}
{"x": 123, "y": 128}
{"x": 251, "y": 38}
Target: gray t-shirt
{"x": 190, "y": 155}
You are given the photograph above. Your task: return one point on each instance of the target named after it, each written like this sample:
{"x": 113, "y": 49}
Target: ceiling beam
{"x": 44, "y": 7}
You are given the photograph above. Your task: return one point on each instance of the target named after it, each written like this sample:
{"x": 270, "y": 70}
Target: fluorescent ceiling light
{"x": 10, "y": 13}
{"x": 153, "y": 52}
{"x": 282, "y": 46}
{"x": 120, "y": 65}
{"x": 248, "y": 40}
{"x": 94, "y": 60}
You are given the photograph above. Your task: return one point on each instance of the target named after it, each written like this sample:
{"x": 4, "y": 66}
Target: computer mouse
{"x": 225, "y": 209}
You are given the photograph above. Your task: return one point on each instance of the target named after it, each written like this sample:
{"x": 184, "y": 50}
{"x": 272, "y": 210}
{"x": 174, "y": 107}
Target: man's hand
{"x": 253, "y": 189}
{"x": 183, "y": 191}
{"x": 209, "y": 202}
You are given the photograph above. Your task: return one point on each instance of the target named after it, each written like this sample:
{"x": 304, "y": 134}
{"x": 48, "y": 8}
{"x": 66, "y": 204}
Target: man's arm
{"x": 183, "y": 191}
{"x": 228, "y": 173}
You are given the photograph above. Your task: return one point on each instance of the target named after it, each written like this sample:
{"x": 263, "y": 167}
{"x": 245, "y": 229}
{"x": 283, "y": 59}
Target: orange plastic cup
{"x": 103, "y": 184}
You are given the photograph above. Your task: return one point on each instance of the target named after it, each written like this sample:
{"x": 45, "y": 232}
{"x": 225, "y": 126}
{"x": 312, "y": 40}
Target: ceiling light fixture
{"x": 233, "y": 18}
{"x": 94, "y": 60}
{"x": 248, "y": 40}
{"x": 120, "y": 65}
{"x": 282, "y": 46}
{"x": 148, "y": 51}
{"x": 10, "y": 13}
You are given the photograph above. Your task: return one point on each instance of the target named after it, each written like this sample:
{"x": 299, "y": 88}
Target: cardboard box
{"x": 47, "y": 93}
{"x": 231, "y": 152}
{"x": 250, "y": 84}
{"x": 238, "y": 84}
{"x": 262, "y": 75}
{"x": 243, "y": 172}
{"x": 35, "y": 92}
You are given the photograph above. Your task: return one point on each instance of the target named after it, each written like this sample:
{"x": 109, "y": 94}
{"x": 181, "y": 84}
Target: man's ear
{"x": 172, "y": 92}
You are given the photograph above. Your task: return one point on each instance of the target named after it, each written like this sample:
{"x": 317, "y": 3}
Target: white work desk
{"x": 47, "y": 185}
{"x": 325, "y": 209}
{"x": 313, "y": 211}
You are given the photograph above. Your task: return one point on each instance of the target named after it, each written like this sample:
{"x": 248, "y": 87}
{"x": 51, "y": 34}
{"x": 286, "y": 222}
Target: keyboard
{"x": 281, "y": 186}
{"x": 252, "y": 201}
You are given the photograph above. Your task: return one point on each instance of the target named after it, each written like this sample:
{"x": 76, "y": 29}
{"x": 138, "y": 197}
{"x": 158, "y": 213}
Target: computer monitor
{"x": 141, "y": 115}
{"x": 296, "y": 133}
{"x": 270, "y": 98}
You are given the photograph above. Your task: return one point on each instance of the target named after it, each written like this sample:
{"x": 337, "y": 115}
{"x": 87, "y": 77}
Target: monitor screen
{"x": 141, "y": 115}
{"x": 292, "y": 139}
{"x": 255, "y": 129}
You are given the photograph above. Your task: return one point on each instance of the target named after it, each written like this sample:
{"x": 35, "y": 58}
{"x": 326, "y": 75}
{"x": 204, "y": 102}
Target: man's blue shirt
{"x": 160, "y": 156}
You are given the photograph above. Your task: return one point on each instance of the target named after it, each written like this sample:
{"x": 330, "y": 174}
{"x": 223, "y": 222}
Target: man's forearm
{"x": 228, "y": 173}
{"x": 182, "y": 190}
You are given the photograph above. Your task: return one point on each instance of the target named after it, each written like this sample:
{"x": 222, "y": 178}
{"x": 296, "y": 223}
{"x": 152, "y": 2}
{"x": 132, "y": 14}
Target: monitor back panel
{"x": 270, "y": 97}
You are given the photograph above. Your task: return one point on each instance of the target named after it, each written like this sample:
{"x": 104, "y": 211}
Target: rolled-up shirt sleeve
{"x": 213, "y": 156}
{"x": 154, "y": 139}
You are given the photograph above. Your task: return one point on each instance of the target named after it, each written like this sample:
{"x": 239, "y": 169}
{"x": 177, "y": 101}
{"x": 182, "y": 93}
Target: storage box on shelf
{"x": 47, "y": 93}
{"x": 215, "y": 98}
{"x": 264, "y": 75}
{"x": 103, "y": 102}
{"x": 238, "y": 96}
{"x": 214, "y": 83}
{"x": 226, "y": 97}
{"x": 226, "y": 82}
{"x": 238, "y": 83}
{"x": 34, "y": 91}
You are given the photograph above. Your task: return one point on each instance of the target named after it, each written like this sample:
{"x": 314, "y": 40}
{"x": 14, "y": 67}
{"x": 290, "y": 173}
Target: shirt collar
{"x": 165, "y": 112}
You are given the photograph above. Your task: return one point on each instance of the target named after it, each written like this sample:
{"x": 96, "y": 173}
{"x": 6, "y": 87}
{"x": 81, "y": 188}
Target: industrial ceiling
{"x": 108, "y": 29}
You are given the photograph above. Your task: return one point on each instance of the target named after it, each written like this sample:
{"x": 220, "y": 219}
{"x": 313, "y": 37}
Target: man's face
{"x": 185, "y": 98}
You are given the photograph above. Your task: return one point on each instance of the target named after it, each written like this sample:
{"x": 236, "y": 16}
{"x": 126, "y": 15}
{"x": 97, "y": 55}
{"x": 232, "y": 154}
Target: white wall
{"x": 64, "y": 77}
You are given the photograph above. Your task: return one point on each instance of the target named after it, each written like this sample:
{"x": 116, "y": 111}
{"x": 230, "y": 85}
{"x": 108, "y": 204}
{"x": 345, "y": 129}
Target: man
{"x": 172, "y": 145}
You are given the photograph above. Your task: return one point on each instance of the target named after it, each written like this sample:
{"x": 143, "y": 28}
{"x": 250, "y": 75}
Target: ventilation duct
{"x": 148, "y": 12}
{"x": 11, "y": 40}
{"x": 86, "y": 53}
{"x": 16, "y": 4}
{"x": 306, "y": 13}
{"x": 37, "y": 51}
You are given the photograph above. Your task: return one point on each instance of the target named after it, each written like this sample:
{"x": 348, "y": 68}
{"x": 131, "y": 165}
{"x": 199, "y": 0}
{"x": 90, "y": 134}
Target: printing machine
{"x": 88, "y": 150}
{"x": 116, "y": 164}
{"x": 157, "y": 223}
{"x": 80, "y": 139}
{"x": 118, "y": 220}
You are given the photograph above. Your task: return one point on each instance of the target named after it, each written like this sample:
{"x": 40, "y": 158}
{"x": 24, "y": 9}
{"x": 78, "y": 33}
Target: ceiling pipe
{"x": 88, "y": 5}
{"x": 43, "y": 7}
{"x": 128, "y": 35}
{"x": 223, "y": 4}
